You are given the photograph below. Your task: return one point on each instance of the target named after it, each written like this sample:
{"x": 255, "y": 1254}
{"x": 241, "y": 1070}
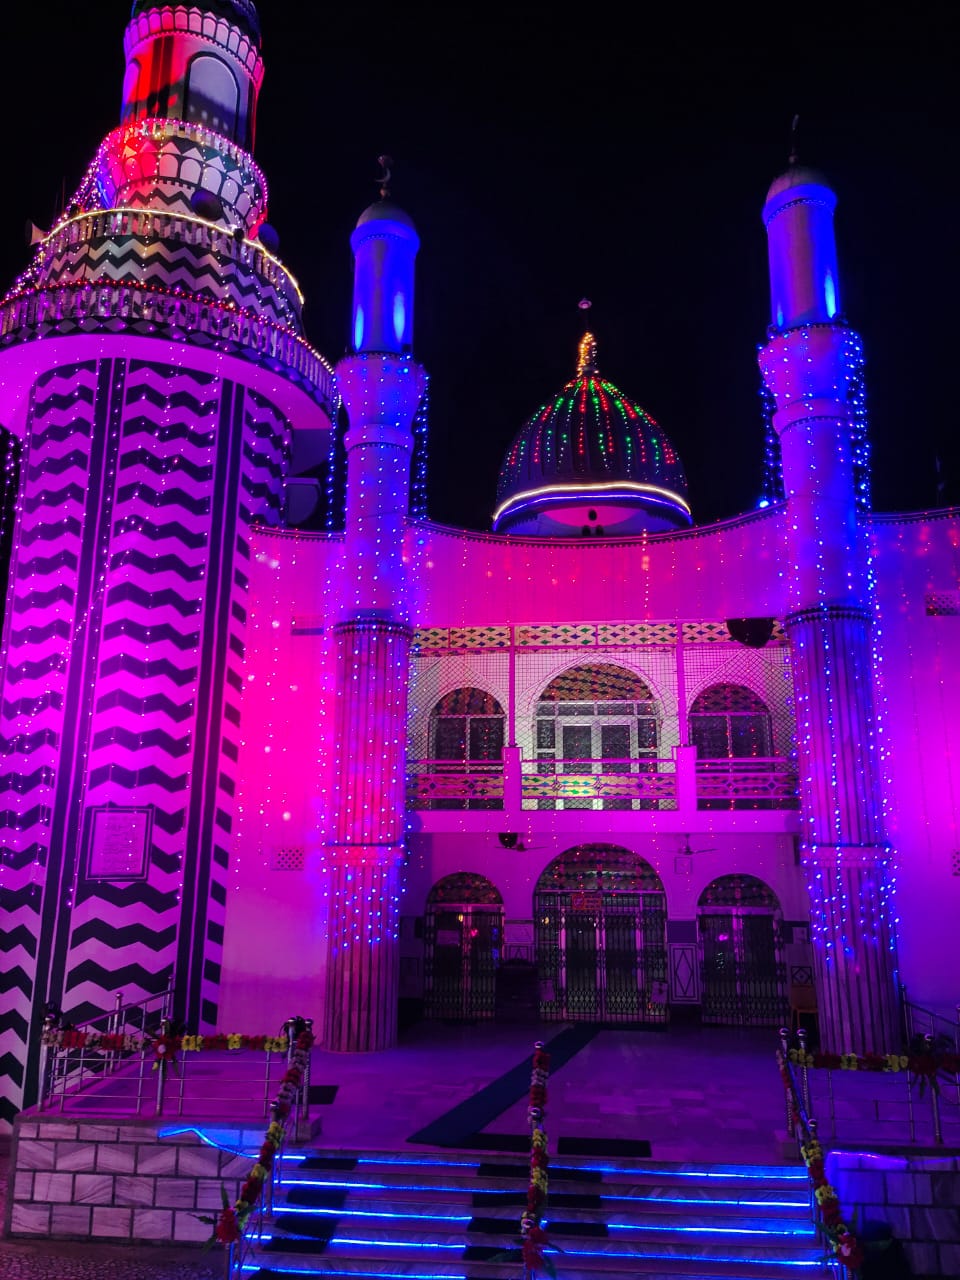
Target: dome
{"x": 591, "y": 461}
{"x": 798, "y": 175}
{"x": 385, "y": 211}
{"x": 240, "y": 13}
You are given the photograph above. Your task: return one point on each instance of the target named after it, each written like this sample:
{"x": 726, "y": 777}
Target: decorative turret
{"x": 385, "y": 244}
{"x": 590, "y": 461}
{"x": 197, "y": 62}
{"x": 804, "y": 281}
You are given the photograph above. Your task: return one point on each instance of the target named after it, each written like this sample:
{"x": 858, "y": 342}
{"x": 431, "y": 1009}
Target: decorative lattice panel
{"x": 633, "y": 633}
{"x": 565, "y": 635}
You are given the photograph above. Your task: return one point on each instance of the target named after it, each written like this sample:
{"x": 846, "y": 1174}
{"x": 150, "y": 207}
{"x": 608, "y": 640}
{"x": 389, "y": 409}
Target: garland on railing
{"x": 842, "y": 1240}
{"x": 928, "y": 1067}
{"x": 532, "y": 1235}
{"x": 844, "y": 1243}
{"x": 162, "y": 1045}
{"x": 228, "y": 1228}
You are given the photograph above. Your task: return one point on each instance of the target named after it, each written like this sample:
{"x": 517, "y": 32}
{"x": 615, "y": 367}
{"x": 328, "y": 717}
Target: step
{"x": 449, "y": 1215}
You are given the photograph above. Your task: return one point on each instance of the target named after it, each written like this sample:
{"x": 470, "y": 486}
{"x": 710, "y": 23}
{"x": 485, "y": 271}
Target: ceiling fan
{"x": 687, "y": 852}
{"x": 513, "y": 840}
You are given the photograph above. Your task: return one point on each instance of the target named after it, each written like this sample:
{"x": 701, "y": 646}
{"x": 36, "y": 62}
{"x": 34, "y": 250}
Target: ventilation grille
{"x": 943, "y": 604}
{"x": 287, "y": 857}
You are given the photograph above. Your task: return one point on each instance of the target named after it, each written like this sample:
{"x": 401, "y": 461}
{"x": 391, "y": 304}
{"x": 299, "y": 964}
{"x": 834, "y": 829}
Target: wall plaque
{"x": 119, "y": 841}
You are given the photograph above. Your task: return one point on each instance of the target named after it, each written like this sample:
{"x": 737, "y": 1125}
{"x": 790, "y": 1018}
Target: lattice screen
{"x": 710, "y": 657}
{"x": 766, "y": 671}
{"x": 432, "y": 676}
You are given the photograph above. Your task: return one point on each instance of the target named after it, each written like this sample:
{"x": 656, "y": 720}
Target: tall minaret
{"x": 812, "y": 366}
{"x": 158, "y": 417}
{"x": 381, "y": 388}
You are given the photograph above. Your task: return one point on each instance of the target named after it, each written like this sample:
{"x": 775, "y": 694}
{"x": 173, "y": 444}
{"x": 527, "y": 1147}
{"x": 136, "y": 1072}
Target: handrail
{"x": 918, "y": 1021}
{"x": 289, "y": 1111}
{"x": 842, "y": 1249}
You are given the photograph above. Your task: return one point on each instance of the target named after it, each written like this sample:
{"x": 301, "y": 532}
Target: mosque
{"x": 600, "y": 763}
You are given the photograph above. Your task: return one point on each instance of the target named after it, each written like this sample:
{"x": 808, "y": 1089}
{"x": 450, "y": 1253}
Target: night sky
{"x": 547, "y": 158}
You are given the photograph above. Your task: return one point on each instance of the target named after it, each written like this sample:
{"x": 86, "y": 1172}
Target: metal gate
{"x": 601, "y": 957}
{"x": 462, "y": 948}
{"x": 743, "y": 974}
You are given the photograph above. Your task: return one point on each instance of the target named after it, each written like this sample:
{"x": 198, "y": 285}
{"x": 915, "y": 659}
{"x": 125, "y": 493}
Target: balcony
{"x": 680, "y": 782}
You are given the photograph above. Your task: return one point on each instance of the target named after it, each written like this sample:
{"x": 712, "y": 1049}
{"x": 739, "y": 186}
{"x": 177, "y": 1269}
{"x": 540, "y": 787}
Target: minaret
{"x": 381, "y": 388}
{"x": 812, "y": 365}
{"x": 158, "y": 417}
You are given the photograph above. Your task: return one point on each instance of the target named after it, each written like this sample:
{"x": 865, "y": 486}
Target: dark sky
{"x": 547, "y": 155}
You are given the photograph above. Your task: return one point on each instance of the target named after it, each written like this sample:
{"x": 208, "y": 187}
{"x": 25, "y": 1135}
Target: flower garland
{"x": 844, "y": 1243}
{"x": 229, "y": 1226}
{"x": 161, "y": 1045}
{"x": 925, "y": 1066}
{"x": 842, "y": 1240}
{"x": 532, "y": 1235}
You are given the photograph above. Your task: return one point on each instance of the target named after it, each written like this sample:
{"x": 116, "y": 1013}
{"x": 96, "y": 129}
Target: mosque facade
{"x": 598, "y": 764}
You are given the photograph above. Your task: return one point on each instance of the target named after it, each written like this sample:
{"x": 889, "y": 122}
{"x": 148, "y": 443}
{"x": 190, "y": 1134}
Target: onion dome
{"x": 798, "y": 175}
{"x": 239, "y": 13}
{"x": 591, "y": 462}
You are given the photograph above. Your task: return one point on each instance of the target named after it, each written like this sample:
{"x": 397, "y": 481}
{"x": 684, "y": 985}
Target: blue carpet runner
{"x": 463, "y": 1125}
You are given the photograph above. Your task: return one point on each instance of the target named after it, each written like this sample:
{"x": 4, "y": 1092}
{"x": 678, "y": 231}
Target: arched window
{"x": 596, "y": 719}
{"x": 466, "y": 733}
{"x": 212, "y": 95}
{"x": 729, "y": 720}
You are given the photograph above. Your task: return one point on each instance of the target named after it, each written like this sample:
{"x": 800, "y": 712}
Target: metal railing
{"x": 69, "y": 1069}
{"x": 920, "y": 1022}
{"x": 768, "y": 781}
{"x": 628, "y": 783}
{"x": 122, "y": 1067}
{"x": 882, "y": 1102}
{"x": 631, "y": 783}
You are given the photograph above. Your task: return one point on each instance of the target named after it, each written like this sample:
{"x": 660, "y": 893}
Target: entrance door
{"x": 601, "y": 956}
{"x": 462, "y": 944}
{"x": 743, "y": 973}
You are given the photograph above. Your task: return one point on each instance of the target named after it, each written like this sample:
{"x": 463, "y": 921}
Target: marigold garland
{"x": 159, "y": 1045}
{"x": 532, "y": 1235}
{"x": 229, "y": 1226}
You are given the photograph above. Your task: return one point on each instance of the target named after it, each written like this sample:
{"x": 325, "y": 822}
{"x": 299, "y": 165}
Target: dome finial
{"x": 384, "y": 179}
{"x": 587, "y": 356}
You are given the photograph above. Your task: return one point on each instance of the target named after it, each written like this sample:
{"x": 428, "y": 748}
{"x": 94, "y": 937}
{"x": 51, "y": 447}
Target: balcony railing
{"x": 754, "y": 783}
{"x": 599, "y": 784}
{"x": 633, "y": 784}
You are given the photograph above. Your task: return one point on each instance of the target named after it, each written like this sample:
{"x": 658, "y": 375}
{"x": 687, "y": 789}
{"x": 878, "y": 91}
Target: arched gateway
{"x": 462, "y": 946}
{"x": 744, "y": 979}
{"x": 600, "y": 933}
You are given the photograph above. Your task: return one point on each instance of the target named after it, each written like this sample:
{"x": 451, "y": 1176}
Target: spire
{"x": 794, "y": 158}
{"x": 587, "y": 356}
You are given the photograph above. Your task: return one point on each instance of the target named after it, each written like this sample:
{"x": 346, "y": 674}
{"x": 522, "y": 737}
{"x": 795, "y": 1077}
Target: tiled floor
{"x": 696, "y": 1093}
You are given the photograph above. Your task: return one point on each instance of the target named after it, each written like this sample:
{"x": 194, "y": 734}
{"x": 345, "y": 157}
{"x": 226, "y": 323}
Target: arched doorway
{"x": 462, "y": 944}
{"x": 741, "y": 954}
{"x": 600, "y": 936}
{"x": 730, "y": 722}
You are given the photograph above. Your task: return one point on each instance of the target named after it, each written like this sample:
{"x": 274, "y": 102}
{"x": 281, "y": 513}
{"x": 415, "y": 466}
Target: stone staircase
{"x": 456, "y": 1214}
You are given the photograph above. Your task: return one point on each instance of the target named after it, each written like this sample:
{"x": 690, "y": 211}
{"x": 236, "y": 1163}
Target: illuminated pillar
{"x": 381, "y": 388}
{"x": 811, "y": 366}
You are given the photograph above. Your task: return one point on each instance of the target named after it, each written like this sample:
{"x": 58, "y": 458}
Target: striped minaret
{"x": 812, "y": 367}
{"x": 156, "y": 426}
{"x": 381, "y": 388}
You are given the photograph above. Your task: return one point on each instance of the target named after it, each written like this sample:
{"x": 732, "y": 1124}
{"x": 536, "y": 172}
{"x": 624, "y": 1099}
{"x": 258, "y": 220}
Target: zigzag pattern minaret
{"x": 156, "y": 428}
